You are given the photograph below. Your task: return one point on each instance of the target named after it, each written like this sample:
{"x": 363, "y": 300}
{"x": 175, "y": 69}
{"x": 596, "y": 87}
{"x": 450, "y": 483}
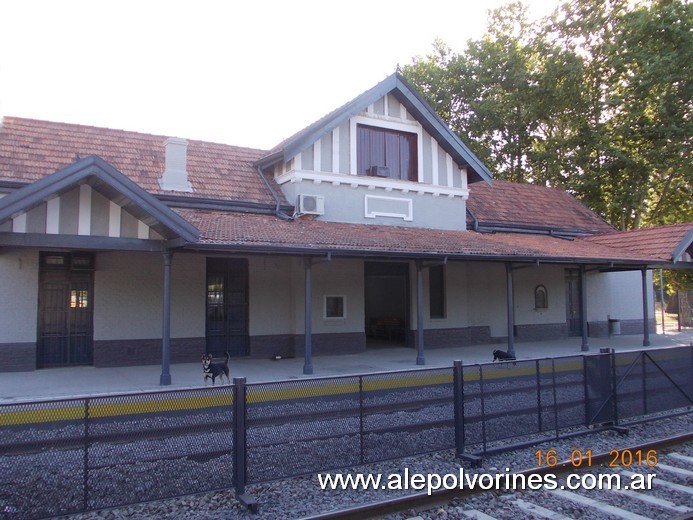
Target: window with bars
{"x": 335, "y": 307}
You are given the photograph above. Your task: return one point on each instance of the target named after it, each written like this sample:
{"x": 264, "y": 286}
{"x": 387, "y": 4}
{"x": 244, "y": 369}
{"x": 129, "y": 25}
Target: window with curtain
{"x": 384, "y": 152}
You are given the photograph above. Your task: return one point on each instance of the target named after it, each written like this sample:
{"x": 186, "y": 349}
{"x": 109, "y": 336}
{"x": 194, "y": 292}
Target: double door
{"x": 65, "y": 317}
{"x": 227, "y": 307}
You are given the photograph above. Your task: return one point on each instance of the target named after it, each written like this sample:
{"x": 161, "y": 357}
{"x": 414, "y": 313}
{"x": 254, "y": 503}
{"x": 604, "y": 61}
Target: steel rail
{"x": 424, "y": 501}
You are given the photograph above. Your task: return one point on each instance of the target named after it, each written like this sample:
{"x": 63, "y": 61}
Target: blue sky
{"x": 241, "y": 73}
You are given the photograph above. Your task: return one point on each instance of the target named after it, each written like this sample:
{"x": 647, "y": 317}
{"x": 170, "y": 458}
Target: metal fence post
{"x": 585, "y": 391}
{"x": 644, "y": 383}
{"x": 361, "y": 417}
{"x": 614, "y": 383}
{"x": 458, "y": 402}
{"x": 85, "y": 506}
{"x": 483, "y": 406}
{"x": 555, "y": 397}
{"x": 539, "y": 421}
{"x": 239, "y": 444}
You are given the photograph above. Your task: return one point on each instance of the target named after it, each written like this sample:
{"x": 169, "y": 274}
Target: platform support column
{"x": 308, "y": 355}
{"x": 510, "y": 308}
{"x": 583, "y": 310}
{"x": 165, "y": 378}
{"x": 645, "y": 311}
{"x": 420, "y": 359}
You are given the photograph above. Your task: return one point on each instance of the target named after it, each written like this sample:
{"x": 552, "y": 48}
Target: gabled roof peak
{"x": 112, "y": 184}
{"x": 406, "y": 94}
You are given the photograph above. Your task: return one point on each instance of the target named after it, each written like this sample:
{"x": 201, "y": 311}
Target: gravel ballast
{"x": 298, "y": 497}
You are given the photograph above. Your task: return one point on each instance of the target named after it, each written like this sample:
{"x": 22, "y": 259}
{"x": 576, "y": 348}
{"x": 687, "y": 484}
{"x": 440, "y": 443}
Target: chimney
{"x": 175, "y": 177}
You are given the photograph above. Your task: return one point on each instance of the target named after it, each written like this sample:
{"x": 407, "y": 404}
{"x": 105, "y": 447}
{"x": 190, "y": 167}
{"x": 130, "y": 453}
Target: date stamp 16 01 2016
{"x": 583, "y": 459}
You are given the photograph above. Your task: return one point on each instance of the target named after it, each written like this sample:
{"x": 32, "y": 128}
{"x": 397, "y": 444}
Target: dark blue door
{"x": 227, "y": 307}
{"x": 65, "y": 318}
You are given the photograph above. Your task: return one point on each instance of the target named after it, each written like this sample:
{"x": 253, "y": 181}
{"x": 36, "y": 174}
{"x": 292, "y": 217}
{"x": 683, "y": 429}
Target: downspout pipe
{"x": 277, "y": 210}
{"x": 475, "y": 221}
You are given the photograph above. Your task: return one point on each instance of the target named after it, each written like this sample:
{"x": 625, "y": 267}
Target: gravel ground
{"x": 298, "y": 497}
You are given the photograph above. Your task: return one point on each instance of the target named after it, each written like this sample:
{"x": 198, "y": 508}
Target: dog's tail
{"x": 227, "y": 357}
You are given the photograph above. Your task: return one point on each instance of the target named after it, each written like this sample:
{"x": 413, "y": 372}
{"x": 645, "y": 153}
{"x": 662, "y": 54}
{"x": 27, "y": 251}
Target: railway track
{"x": 656, "y": 463}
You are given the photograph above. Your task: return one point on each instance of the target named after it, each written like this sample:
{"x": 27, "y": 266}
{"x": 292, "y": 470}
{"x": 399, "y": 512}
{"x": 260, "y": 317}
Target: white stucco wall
{"x": 128, "y": 296}
{"x": 277, "y": 293}
{"x": 487, "y": 296}
{"x": 19, "y": 302}
{"x": 340, "y": 277}
{"x": 129, "y": 291}
{"x": 525, "y": 282}
{"x": 617, "y": 295}
{"x": 271, "y": 295}
{"x": 456, "y": 302}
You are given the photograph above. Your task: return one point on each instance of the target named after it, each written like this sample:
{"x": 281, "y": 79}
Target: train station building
{"x": 374, "y": 227}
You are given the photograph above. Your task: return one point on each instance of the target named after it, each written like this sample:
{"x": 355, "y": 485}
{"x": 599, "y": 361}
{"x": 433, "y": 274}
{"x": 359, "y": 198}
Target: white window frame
{"x": 411, "y": 128}
{"x": 408, "y": 216}
{"x": 344, "y": 307}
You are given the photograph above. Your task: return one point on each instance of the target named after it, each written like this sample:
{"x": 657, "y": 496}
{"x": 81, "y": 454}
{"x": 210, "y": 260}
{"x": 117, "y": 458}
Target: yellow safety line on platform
{"x": 266, "y": 392}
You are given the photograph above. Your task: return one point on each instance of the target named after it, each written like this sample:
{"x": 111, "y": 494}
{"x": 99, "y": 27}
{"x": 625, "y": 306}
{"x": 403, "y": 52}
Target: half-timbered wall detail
{"x": 82, "y": 211}
{"x": 380, "y": 166}
{"x": 335, "y": 152}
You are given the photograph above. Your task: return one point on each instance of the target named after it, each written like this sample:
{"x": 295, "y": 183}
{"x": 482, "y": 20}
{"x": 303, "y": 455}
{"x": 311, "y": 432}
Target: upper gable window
{"x": 384, "y": 152}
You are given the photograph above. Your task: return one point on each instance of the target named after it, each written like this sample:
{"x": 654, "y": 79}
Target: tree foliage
{"x": 596, "y": 99}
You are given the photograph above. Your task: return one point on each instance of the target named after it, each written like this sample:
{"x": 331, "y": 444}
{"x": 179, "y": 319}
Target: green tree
{"x": 653, "y": 123}
{"x": 487, "y": 93}
{"x": 595, "y": 99}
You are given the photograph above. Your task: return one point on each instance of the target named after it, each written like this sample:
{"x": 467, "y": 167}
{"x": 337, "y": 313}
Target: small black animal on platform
{"x": 502, "y": 355}
{"x": 214, "y": 370}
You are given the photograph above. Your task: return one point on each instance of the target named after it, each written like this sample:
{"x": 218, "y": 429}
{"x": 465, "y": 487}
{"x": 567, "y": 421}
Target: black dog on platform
{"x": 502, "y": 355}
{"x": 214, "y": 370}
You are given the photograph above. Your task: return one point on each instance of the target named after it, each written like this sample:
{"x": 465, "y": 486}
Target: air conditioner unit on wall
{"x": 379, "y": 171}
{"x": 311, "y": 204}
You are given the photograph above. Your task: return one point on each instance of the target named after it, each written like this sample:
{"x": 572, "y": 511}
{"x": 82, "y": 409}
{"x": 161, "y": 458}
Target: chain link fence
{"x": 67, "y": 456}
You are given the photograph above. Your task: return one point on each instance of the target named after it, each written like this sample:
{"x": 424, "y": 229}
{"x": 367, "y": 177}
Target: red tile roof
{"x": 509, "y": 203}
{"x": 30, "y": 150}
{"x": 264, "y": 232}
{"x": 657, "y": 242}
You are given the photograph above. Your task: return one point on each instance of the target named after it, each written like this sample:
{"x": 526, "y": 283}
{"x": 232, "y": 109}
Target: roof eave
{"x": 683, "y": 247}
{"x": 312, "y": 250}
{"x": 434, "y": 125}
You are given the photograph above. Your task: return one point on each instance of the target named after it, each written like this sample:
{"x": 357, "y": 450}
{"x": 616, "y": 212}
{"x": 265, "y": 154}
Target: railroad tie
{"x": 682, "y": 458}
{"x": 653, "y": 501}
{"x": 596, "y": 504}
{"x": 664, "y": 483}
{"x": 676, "y": 471}
{"x": 536, "y": 510}
{"x": 477, "y": 515}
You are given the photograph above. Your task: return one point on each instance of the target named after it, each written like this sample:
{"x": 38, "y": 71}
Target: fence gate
{"x": 600, "y": 404}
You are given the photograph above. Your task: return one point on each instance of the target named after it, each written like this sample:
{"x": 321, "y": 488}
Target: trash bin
{"x": 614, "y": 327}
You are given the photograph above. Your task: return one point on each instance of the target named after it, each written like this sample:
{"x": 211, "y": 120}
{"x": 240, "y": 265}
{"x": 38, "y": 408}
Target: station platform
{"x": 58, "y": 383}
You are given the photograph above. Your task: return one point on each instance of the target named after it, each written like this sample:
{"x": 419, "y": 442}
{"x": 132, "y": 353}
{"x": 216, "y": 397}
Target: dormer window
{"x": 385, "y": 152}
